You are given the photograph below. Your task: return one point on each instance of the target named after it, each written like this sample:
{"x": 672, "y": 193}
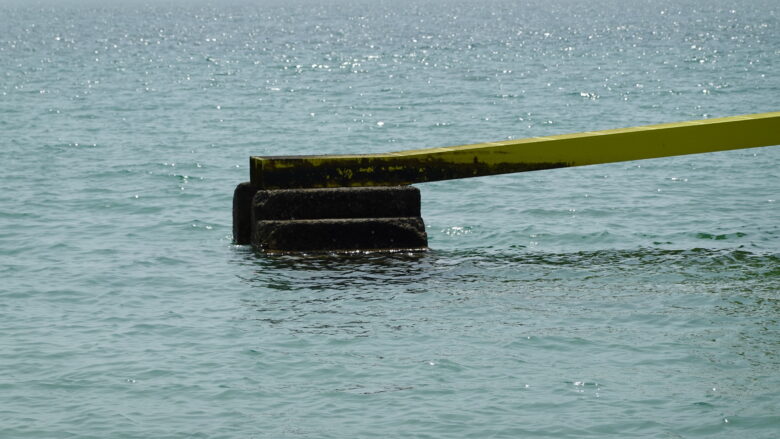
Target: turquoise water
{"x": 633, "y": 299}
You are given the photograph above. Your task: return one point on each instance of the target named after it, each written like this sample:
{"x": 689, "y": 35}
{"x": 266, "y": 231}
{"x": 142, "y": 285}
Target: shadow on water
{"x": 723, "y": 300}
{"x": 419, "y": 271}
{"x": 335, "y": 271}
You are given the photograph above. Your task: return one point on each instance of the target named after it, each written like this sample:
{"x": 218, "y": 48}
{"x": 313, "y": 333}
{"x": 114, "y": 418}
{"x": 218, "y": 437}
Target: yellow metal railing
{"x": 531, "y": 154}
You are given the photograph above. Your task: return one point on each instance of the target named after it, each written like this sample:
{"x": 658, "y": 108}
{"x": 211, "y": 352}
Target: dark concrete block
{"x": 344, "y": 202}
{"x": 315, "y": 235}
{"x": 242, "y": 213}
{"x": 329, "y": 219}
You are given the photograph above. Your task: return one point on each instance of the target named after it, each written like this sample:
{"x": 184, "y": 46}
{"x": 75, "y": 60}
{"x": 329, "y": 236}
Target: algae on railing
{"x": 531, "y": 154}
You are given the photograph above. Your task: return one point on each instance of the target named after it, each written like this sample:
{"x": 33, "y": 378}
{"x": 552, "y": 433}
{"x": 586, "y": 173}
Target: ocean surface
{"x": 629, "y": 300}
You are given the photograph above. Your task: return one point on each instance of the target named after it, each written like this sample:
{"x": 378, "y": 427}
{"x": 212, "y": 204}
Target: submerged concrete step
{"x": 400, "y": 233}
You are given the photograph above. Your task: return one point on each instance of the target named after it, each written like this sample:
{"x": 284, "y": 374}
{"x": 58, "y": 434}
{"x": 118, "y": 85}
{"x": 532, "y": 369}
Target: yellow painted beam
{"x": 531, "y": 154}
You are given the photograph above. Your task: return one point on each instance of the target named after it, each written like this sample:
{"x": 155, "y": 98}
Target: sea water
{"x": 635, "y": 299}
